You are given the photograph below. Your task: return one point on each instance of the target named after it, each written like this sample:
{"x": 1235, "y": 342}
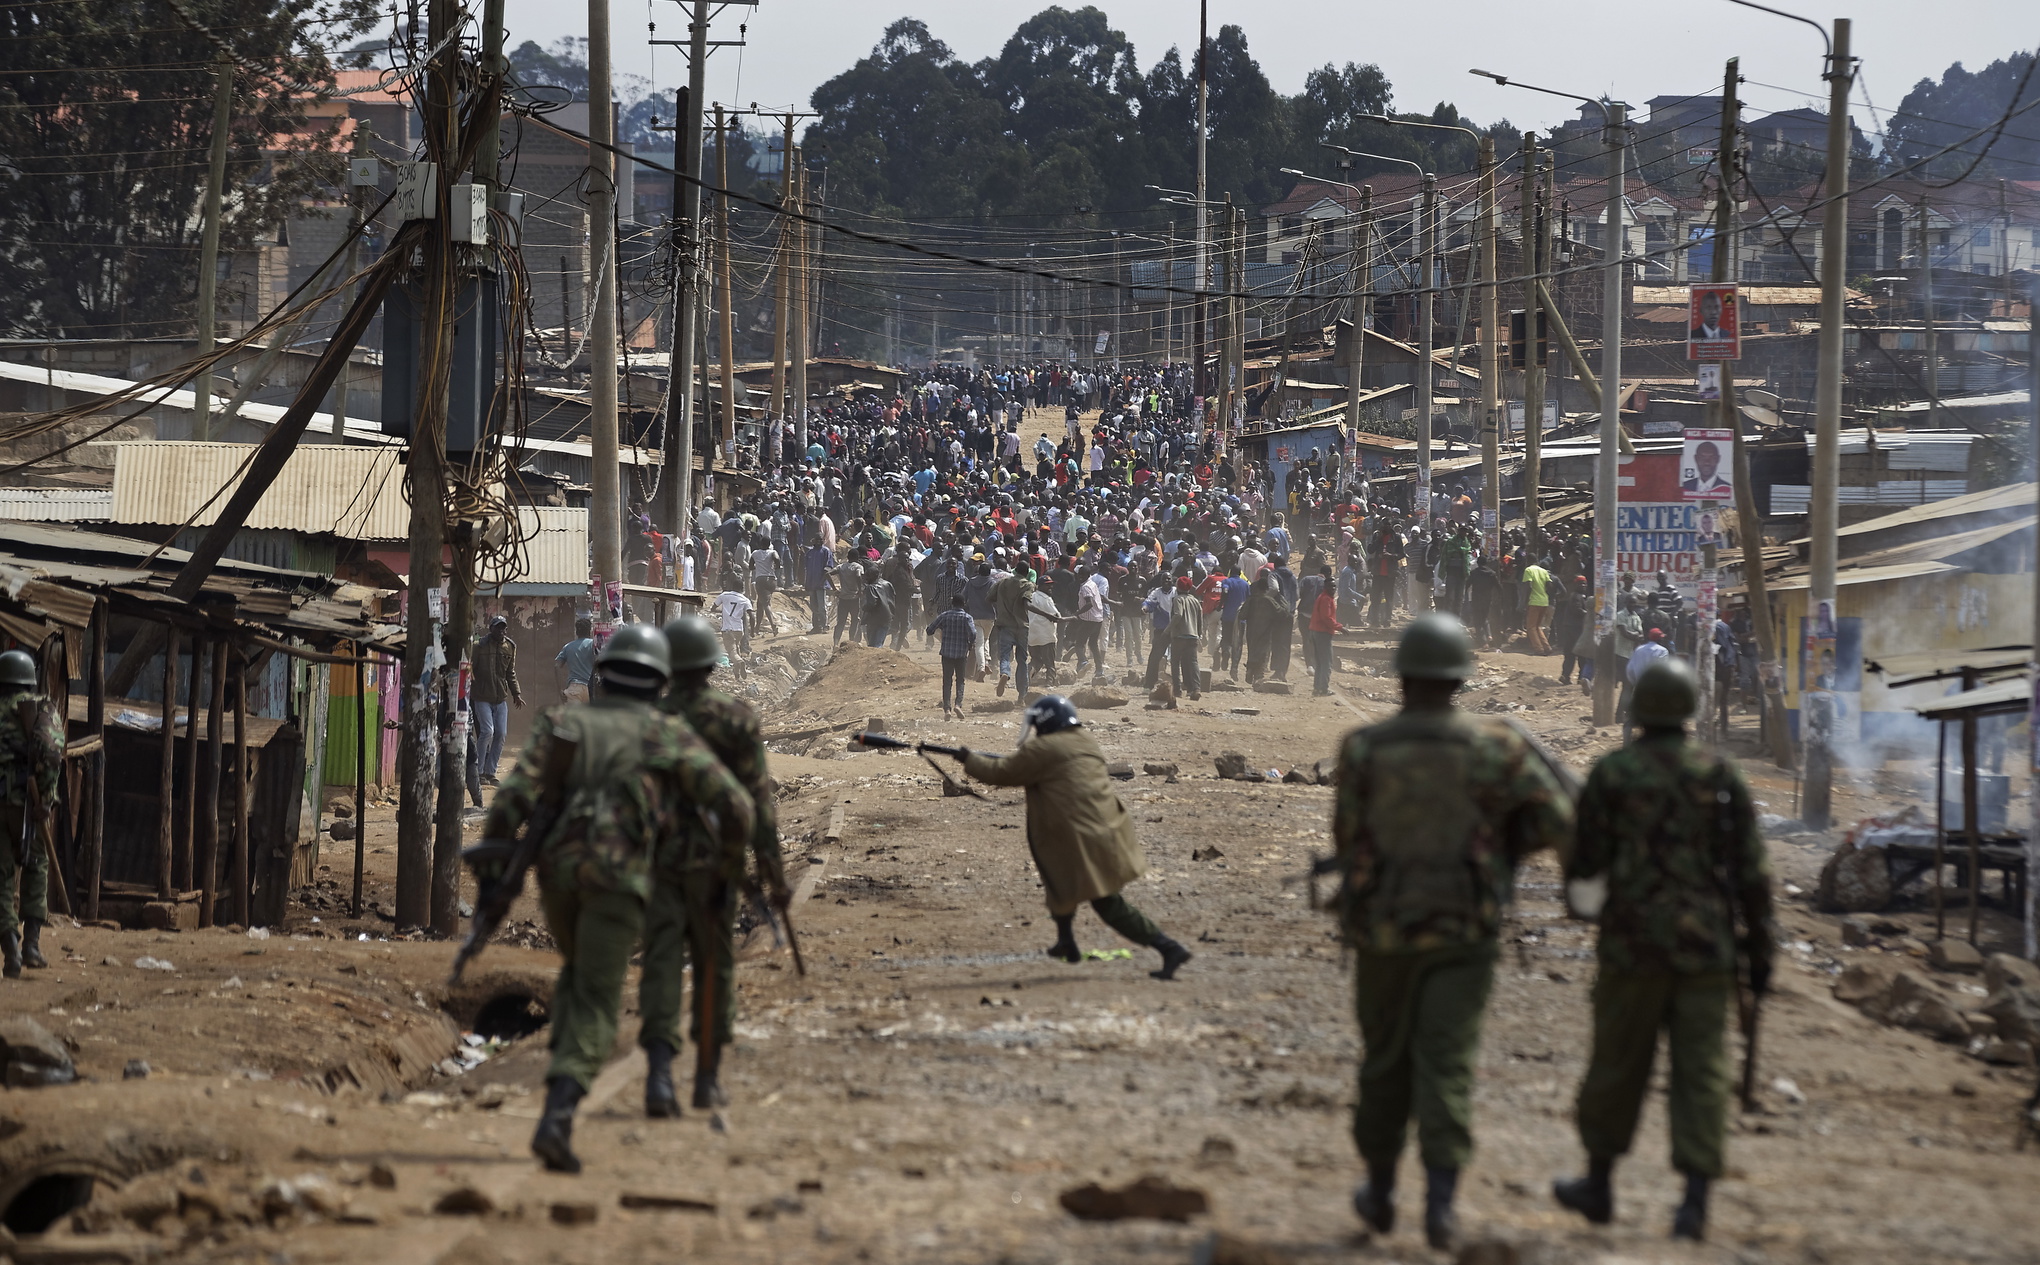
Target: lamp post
{"x": 1615, "y": 119}
{"x": 1490, "y": 360}
{"x": 1427, "y": 371}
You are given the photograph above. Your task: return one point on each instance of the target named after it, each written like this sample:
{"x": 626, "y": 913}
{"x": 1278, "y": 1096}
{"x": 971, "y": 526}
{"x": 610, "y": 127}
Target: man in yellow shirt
{"x": 1537, "y": 613}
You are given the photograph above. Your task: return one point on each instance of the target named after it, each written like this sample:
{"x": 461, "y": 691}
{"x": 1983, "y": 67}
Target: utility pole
{"x": 1607, "y": 482}
{"x": 364, "y": 139}
{"x": 1238, "y": 350}
{"x": 209, "y": 240}
{"x": 1536, "y": 242}
{"x": 1927, "y": 311}
{"x": 1427, "y": 375}
{"x": 1201, "y": 385}
{"x": 419, "y": 745}
{"x": 1490, "y": 361}
{"x": 1362, "y": 284}
{"x": 605, "y": 476}
{"x": 1169, "y": 297}
{"x": 1823, "y": 517}
{"x": 798, "y": 369}
{"x": 686, "y": 238}
{"x": 2032, "y": 912}
{"x": 728, "y": 328}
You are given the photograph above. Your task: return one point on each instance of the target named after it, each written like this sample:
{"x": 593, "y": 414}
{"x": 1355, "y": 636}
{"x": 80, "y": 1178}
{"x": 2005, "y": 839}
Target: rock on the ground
{"x": 1120, "y": 769}
{"x": 1958, "y": 956}
{"x": 2017, "y": 1012}
{"x": 1855, "y": 933}
{"x": 994, "y": 707}
{"x": 1095, "y": 698}
{"x": 1916, "y": 1004}
{"x": 1866, "y": 983}
{"x": 1153, "y": 1198}
{"x": 464, "y": 1201}
{"x": 2006, "y": 1053}
{"x": 1326, "y": 771}
{"x": 31, "y": 1056}
{"x": 573, "y": 1213}
{"x": 1233, "y": 766}
{"x": 1271, "y": 687}
{"x": 1160, "y": 768}
{"x": 1297, "y": 777}
{"x": 1855, "y": 880}
{"x": 2001, "y": 969}
{"x": 342, "y": 829}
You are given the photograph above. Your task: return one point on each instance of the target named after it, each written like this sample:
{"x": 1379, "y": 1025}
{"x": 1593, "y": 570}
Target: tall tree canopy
{"x": 106, "y": 120}
{"x": 1063, "y": 117}
{"x": 1934, "y": 116}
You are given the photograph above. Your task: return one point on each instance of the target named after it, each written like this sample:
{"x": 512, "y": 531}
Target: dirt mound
{"x": 855, "y": 681}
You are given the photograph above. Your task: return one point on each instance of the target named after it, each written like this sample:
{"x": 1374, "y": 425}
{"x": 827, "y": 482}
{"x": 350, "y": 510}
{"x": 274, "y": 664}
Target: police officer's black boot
{"x": 661, "y": 1103}
{"x": 1690, "y": 1221}
{"x": 1375, "y": 1201}
{"x": 31, "y": 945}
{"x": 1441, "y": 1224}
{"x": 10, "y": 955}
{"x": 707, "y": 1088}
{"x": 1592, "y": 1196}
{"x": 554, "y": 1141}
{"x": 1065, "y": 946}
{"x": 1173, "y": 956}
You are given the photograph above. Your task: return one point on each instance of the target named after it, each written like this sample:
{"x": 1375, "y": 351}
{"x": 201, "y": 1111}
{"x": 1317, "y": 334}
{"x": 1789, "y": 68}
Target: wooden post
{"x": 95, "y": 770}
{"x": 239, "y": 859}
{"x": 187, "y": 837}
{"x": 209, "y": 803}
{"x": 166, "y": 834}
{"x": 1971, "y": 818}
{"x": 361, "y": 676}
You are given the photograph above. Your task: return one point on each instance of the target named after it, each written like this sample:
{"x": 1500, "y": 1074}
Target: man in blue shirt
{"x": 819, "y": 560}
{"x": 959, "y": 634}
{"x": 578, "y": 657}
{"x": 1277, "y": 536}
{"x": 1233, "y": 597}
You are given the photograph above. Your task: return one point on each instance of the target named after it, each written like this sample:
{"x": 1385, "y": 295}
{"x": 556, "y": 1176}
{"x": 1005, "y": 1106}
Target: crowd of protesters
{"x": 1045, "y": 551}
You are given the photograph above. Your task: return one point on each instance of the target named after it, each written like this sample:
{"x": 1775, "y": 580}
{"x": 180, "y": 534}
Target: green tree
{"x": 106, "y": 110}
{"x": 1934, "y": 116}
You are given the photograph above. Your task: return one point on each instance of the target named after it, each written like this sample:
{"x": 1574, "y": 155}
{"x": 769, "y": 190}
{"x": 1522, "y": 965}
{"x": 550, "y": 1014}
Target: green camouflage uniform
{"x": 1671, "y": 828}
{"x": 695, "y": 881}
{"x": 31, "y": 753}
{"x": 1434, "y": 810}
{"x": 638, "y": 776}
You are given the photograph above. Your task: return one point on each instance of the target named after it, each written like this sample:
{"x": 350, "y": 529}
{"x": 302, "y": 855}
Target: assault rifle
{"x": 500, "y": 863}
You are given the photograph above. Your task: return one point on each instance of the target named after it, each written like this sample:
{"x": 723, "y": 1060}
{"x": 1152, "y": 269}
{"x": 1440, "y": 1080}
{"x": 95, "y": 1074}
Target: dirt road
{"x": 932, "y": 1085}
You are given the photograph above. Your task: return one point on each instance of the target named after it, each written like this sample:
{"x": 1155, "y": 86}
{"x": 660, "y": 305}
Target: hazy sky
{"x": 1633, "y": 49}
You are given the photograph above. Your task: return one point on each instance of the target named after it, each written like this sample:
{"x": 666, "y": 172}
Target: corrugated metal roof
{"x": 56, "y": 505}
{"x": 555, "y": 546}
{"x": 324, "y": 489}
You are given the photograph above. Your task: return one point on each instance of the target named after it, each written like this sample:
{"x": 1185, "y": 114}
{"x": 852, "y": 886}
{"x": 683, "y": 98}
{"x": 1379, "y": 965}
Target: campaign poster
{"x": 1656, "y": 527}
{"x": 1712, "y": 318}
{"x": 1706, "y": 470}
{"x": 1830, "y": 676}
{"x": 1709, "y": 382}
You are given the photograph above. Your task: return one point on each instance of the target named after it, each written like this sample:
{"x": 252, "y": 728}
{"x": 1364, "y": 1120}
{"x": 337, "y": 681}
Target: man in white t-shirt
{"x": 735, "y": 609}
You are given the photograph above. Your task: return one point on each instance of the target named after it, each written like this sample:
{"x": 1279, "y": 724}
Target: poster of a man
{"x": 1713, "y": 332}
{"x": 1703, "y": 466}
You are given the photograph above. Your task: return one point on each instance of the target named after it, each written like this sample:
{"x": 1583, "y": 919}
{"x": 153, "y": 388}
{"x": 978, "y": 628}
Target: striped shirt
{"x": 959, "y": 632}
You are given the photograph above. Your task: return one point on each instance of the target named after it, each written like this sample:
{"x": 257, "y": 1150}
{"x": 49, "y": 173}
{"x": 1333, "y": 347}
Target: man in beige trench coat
{"x": 1078, "y": 830}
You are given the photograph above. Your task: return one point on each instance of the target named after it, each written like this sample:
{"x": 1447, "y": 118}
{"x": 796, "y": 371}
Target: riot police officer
{"x": 31, "y": 764}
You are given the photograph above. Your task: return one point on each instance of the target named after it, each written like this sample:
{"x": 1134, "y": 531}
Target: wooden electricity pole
{"x": 209, "y": 240}
{"x": 727, "y": 327}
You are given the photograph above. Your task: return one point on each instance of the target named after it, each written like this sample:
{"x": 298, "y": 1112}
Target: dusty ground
{"x": 933, "y": 1083}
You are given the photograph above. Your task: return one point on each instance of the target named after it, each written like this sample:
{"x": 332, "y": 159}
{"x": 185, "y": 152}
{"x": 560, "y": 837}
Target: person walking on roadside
{"x": 578, "y": 658}
{"x": 630, "y": 771}
{"x": 31, "y": 766}
{"x": 1186, "y": 629}
{"x": 1434, "y": 809}
{"x": 1324, "y": 621}
{"x": 492, "y": 691}
{"x": 696, "y": 878}
{"x": 958, "y": 633}
{"x": 1537, "y": 609}
{"x": 1669, "y": 862}
{"x": 1078, "y": 829}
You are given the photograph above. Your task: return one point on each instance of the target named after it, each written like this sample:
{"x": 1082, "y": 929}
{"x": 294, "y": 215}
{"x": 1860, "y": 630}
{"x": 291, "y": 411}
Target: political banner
{"x": 1713, "y": 324}
{"x": 1706, "y": 472}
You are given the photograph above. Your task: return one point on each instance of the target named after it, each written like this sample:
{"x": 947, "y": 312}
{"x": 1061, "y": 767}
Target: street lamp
{"x": 1427, "y": 369}
{"x": 1490, "y": 360}
{"x": 1615, "y": 120}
